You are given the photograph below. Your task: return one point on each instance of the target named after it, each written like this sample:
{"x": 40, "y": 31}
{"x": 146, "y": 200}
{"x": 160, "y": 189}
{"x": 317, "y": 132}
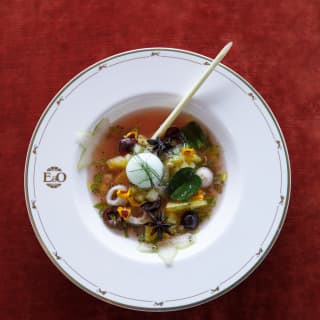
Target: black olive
{"x": 190, "y": 220}
{"x": 151, "y": 206}
{"x": 111, "y": 217}
{"x": 173, "y": 135}
{"x": 126, "y": 145}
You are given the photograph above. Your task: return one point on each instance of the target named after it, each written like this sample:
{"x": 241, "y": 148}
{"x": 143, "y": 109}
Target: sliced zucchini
{"x": 167, "y": 254}
{"x": 189, "y": 205}
{"x": 89, "y": 141}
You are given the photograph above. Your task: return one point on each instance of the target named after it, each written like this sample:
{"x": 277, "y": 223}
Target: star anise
{"x": 159, "y": 224}
{"x": 159, "y": 146}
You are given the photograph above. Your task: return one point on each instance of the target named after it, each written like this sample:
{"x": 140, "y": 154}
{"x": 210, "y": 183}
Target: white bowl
{"x": 247, "y": 218}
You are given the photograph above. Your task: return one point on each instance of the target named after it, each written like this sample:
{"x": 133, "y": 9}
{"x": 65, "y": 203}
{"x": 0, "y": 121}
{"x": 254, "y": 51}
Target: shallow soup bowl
{"x": 228, "y": 246}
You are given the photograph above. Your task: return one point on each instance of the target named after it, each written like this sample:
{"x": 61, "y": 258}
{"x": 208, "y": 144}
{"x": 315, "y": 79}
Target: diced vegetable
{"x": 223, "y": 176}
{"x": 152, "y": 195}
{"x": 138, "y": 148}
{"x": 140, "y": 197}
{"x": 142, "y": 140}
{"x": 182, "y": 206}
{"x": 147, "y": 234}
{"x": 174, "y": 161}
{"x": 103, "y": 188}
{"x": 118, "y": 162}
{"x": 147, "y": 247}
{"x": 169, "y": 248}
{"x": 183, "y": 241}
{"x": 173, "y": 218}
{"x": 121, "y": 178}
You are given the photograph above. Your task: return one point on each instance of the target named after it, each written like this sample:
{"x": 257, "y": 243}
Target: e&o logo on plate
{"x": 54, "y": 177}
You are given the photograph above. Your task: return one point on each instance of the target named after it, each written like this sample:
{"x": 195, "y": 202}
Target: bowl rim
{"x": 157, "y": 309}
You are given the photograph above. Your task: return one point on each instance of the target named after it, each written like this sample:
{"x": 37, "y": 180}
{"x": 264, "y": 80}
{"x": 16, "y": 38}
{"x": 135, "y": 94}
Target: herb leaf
{"x": 101, "y": 206}
{"x": 184, "y": 184}
{"x": 93, "y": 187}
{"x": 98, "y": 178}
{"x": 194, "y": 135}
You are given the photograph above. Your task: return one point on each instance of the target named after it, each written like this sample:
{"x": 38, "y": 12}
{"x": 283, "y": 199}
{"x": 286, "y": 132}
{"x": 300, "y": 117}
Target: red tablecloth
{"x": 276, "y": 48}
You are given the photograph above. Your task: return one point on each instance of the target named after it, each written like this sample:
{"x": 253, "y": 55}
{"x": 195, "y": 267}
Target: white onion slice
{"x": 116, "y": 201}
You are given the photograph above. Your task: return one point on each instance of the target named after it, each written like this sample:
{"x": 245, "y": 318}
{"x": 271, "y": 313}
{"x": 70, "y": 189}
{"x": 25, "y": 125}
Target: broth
{"x": 146, "y": 122}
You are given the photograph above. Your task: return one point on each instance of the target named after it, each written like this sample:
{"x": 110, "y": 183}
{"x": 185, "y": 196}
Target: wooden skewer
{"x": 176, "y": 111}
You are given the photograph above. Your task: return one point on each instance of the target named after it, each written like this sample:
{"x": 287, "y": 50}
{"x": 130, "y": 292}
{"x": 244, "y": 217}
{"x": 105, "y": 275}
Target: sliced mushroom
{"x": 112, "y": 198}
{"x": 206, "y": 176}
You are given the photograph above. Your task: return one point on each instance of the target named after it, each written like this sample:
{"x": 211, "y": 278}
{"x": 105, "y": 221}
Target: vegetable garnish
{"x": 189, "y": 155}
{"x": 124, "y": 212}
{"x": 194, "y": 136}
{"x": 98, "y": 178}
{"x": 184, "y": 184}
{"x": 198, "y": 196}
{"x": 89, "y": 141}
{"x": 132, "y": 134}
{"x": 101, "y": 206}
{"x": 128, "y": 195}
{"x": 158, "y": 189}
{"x": 188, "y": 205}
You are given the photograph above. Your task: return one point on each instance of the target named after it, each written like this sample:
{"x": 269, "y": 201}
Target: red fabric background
{"x": 276, "y": 48}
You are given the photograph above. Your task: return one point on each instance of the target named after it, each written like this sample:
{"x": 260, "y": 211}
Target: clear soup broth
{"x": 136, "y": 211}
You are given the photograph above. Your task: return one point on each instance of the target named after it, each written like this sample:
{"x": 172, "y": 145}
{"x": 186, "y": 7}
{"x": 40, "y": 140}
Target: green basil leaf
{"x": 184, "y": 184}
{"x": 194, "y": 135}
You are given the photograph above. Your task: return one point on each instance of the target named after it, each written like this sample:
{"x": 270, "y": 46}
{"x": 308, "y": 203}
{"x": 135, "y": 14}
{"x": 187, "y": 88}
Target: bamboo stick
{"x": 187, "y": 97}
